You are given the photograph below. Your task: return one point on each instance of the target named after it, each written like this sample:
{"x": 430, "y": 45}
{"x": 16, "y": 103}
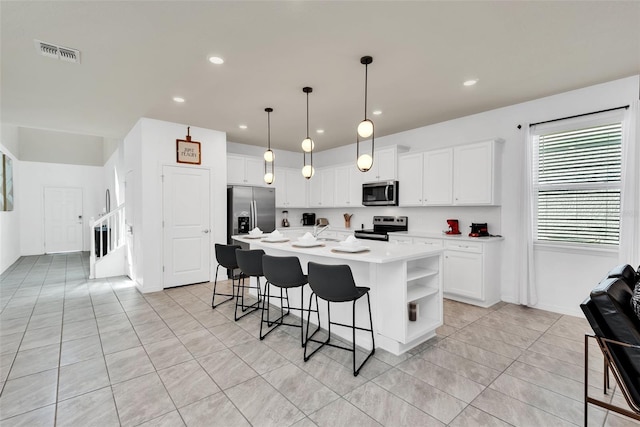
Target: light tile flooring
{"x": 85, "y": 352}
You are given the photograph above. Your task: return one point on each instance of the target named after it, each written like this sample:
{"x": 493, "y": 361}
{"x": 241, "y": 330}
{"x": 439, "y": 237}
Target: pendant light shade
{"x": 365, "y": 128}
{"x": 269, "y": 156}
{"x": 307, "y": 144}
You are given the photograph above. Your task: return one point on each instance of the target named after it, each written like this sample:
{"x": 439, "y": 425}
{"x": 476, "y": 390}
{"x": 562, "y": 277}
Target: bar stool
{"x": 284, "y": 273}
{"x": 334, "y": 283}
{"x": 226, "y": 257}
{"x": 250, "y": 263}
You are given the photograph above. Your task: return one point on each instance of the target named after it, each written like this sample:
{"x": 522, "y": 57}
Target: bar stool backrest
{"x": 250, "y": 261}
{"x": 283, "y": 271}
{"x": 226, "y": 255}
{"x": 332, "y": 282}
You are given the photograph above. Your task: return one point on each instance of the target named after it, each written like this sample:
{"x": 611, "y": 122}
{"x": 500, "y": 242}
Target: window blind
{"x": 577, "y": 181}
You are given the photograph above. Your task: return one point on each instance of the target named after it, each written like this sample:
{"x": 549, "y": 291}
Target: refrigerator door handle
{"x": 255, "y": 213}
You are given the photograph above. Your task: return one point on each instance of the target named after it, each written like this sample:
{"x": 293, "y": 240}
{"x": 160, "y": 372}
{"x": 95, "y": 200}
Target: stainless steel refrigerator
{"x": 250, "y": 207}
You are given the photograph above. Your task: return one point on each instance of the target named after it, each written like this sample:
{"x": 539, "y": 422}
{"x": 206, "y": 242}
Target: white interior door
{"x": 63, "y": 221}
{"x": 187, "y": 230}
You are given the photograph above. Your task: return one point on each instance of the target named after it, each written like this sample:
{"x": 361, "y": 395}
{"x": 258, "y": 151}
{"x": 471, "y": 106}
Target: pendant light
{"x": 307, "y": 144}
{"x": 269, "y": 156}
{"x": 365, "y": 128}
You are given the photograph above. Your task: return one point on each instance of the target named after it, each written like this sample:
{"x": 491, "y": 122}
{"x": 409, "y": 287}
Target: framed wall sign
{"x": 188, "y": 151}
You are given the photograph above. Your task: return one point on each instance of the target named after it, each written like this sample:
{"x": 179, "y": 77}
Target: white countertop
{"x": 457, "y": 237}
{"x": 379, "y": 252}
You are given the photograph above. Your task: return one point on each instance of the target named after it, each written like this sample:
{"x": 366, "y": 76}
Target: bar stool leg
{"x": 215, "y": 284}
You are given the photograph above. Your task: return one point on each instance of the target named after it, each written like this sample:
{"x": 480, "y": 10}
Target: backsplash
{"x": 429, "y": 219}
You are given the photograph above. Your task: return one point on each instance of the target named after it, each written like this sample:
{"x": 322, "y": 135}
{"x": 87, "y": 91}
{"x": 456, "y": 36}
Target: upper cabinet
{"x": 464, "y": 175}
{"x": 321, "y": 187}
{"x": 476, "y": 174}
{"x": 426, "y": 179}
{"x": 291, "y": 188}
{"x": 384, "y": 166}
{"x": 245, "y": 170}
{"x": 347, "y": 186}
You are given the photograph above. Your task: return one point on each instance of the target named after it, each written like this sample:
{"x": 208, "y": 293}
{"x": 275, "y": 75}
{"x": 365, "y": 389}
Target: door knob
{"x": 205, "y": 231}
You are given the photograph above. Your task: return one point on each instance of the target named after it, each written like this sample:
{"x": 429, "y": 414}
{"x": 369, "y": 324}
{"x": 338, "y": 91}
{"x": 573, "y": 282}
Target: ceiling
{"x": 136, "y": 56}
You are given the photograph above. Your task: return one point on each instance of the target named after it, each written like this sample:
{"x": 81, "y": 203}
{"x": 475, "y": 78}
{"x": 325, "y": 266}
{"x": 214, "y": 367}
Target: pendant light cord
{"x": 269, "y": 130}
{"x": 366, "y": 79}
{"x": 308, "y": 117}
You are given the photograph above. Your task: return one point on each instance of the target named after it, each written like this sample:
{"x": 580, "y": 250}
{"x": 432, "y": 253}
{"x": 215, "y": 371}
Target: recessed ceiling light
{"x": 377, "y": 112}
{"x": 178, "y": 99}
{"x": 470, "y": 82}
{"x": 216, "y": 60}
{"x": 320, "y": 131}
{"x": 242, "y": 126}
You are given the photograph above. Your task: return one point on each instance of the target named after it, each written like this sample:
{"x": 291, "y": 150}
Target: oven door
{"x": 380, "y": 193}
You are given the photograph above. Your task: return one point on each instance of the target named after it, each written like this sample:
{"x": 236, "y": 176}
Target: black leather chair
{"x": 226, "y": 257}
{"x": 617, "y": 332}
{"x": 250, "y": 263}
{"x": 284, "y": 273}
{"x": 334, "y": 284}
{"x": 626, "y": 273}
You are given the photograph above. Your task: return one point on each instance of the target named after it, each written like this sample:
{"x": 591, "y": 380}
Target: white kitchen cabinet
{"x": 347, "y": 187}
{"x": 426, "y": 179}
{"x": 245, "y": 170}
{"x": 476, "y": 174}
{"x": 291, "y": 188}
{"x": 437, "y": 180}
{"x": 321, "y": 188}
{"x": 385, "y": 162}
{"x": 410, "y": 171}
{"x": 472, "y": 272}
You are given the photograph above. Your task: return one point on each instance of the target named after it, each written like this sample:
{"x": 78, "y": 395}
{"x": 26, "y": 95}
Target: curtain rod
{"x": 580, "y": 115}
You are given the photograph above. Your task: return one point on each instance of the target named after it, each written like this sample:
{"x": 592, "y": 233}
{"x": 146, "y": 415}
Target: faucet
{"x": 317, "y": 230}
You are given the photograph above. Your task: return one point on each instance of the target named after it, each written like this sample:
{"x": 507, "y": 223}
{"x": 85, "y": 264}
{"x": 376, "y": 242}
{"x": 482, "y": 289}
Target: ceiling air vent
{"x": 51, "y": 50}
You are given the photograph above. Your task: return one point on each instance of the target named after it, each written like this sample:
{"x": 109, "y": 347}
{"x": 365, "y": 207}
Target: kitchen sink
{"x": 328, "y": 239}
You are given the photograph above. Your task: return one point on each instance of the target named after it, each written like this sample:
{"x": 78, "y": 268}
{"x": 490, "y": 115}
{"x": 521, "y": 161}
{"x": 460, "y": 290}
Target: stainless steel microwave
{"x": 383, "y": 193}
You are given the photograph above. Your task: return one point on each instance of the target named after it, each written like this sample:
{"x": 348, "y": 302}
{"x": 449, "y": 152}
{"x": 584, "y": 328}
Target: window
{"x": 577, "y": 185}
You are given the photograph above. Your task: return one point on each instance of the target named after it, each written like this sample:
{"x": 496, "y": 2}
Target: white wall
{"x": 34, "y": 177}
{"x": 157, "y": 142}
{"x": 10, "y": 220}
{"x": 564, "y": 278}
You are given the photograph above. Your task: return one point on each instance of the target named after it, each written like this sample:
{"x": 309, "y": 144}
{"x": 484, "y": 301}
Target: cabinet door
{"x": 342, "y": 186}
{"x": 327, "y": 176}
{"x": 296, "y": 189}
{"x": 385, "y": 164}
{"x": 438, "y": 177}
{"x": 410, "y": 180}
{"x": 355, "y": 187}
{"x": 254, "y": 171}
{"x": 280, "y": 183}
{"x": 235, "y": 170}
{"x": 315, "y": 190}
{"x": 473, "y": 174}
{"x": 463, "y": 274}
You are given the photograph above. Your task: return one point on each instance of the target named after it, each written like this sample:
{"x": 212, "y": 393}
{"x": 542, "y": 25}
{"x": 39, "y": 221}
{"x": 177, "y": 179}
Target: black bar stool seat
{"x": 284, "y": 273}
{"x": 226, "y": 257}
{"x": 334, "y": 283}
{"x": 250, "y": 263}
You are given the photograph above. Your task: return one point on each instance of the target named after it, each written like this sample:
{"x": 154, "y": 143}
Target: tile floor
{"x": 85, "y": 352}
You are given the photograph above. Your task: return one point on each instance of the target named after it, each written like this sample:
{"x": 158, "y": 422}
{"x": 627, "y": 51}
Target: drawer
{"x": 464, "y": 246}
{"x": 432, "y": 243}
{"x": 400, "y": 240}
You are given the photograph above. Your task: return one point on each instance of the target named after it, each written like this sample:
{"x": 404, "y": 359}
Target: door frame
{"x": 162, "y": 206}
{"x": 44, "y": 218}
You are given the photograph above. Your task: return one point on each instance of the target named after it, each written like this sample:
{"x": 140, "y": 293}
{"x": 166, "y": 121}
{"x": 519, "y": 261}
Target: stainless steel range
{"x": 383, "y": 225}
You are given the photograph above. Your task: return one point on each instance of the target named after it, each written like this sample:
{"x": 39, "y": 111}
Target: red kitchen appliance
{"x": 454, "y": 227}
{"x": 478, "y": 230}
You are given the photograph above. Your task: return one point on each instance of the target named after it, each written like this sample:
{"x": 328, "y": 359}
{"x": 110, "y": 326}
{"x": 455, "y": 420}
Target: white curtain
{"x": 630, "y": 210}
{"x": 526, "y": 269}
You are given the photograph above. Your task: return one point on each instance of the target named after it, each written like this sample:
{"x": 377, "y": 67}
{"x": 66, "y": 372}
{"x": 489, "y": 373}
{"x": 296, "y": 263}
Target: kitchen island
{"x": 397, "y": 275}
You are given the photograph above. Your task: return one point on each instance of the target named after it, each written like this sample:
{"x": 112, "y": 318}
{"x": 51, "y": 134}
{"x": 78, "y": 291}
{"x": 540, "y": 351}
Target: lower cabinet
{"x": 472, "y": 272}
{"x": 471, "y": 269}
